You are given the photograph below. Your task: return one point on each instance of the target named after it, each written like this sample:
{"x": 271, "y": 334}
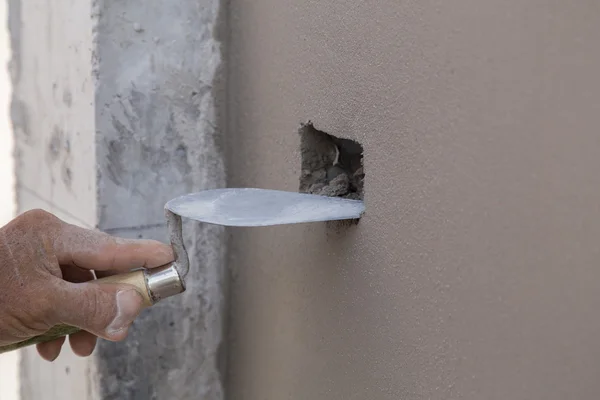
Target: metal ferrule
{"x": 163, "y": 282}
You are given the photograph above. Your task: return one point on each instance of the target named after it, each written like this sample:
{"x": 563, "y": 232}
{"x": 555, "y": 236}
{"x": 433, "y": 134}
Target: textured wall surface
{"x": 115, "y": 112}
{"x": 158, "y": 72}
{"x": 474, "y": 273}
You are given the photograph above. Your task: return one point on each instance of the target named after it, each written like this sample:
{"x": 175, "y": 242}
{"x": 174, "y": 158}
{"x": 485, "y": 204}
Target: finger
{"x": 106, "y": 310}
{"x": 98, "y": 251}
{"x": 50, "y": 350}
{"x": 82, "y": 343}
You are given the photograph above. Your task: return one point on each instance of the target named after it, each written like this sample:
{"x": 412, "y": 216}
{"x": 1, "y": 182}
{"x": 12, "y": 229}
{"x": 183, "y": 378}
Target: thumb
{"x": 106, "y": 310}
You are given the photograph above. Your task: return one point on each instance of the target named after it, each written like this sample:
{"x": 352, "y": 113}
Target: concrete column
{"x": 115, "y": 112}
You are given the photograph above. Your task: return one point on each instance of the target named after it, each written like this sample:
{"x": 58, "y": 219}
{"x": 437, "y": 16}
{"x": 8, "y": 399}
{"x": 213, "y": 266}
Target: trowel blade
{"x": 262, "y": 207}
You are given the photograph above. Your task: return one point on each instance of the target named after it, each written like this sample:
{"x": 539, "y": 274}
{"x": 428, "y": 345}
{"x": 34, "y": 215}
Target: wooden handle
{"x": 135, "y": 278}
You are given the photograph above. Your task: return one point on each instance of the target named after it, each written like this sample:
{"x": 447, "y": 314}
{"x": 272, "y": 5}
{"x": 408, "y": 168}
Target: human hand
{"x": 45, "y": 266}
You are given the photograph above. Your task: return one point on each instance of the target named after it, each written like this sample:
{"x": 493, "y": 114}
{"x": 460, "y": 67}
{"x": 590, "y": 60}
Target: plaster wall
{"x": 473, "y": 273}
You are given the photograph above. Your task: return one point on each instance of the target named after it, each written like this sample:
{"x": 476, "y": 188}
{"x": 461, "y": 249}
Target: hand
{"x": 44, "y": 266}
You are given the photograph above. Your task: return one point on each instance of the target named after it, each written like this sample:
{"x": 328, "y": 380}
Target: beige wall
{"x": 475, "y": 271}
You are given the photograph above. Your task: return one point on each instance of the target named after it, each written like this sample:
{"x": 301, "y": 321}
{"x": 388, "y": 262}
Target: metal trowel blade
{"x": 262, "y": 207}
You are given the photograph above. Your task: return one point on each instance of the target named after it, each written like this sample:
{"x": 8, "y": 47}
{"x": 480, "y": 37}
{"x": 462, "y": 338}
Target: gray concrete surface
{"x": 115, "y": 112}
{"x": 158, "y": 72}
{"x": 474, "y": 272}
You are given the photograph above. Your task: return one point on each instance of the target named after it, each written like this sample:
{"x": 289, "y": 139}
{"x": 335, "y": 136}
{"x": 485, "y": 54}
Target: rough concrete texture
{"x": 157, "y": 67}
{"x": 115, "y": 110}
{"x": 473, "y": 273}
{"x": 330, "y": 166}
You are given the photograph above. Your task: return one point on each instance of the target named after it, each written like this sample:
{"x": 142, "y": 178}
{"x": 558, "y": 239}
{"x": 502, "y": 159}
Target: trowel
{"x": 227, "y": 207}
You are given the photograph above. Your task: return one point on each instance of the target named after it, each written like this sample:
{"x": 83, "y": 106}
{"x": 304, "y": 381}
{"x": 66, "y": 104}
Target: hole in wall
{"x": 331, "y": 166}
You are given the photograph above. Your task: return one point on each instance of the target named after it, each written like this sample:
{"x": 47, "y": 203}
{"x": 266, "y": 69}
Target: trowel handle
{"x": 152, "y": 284}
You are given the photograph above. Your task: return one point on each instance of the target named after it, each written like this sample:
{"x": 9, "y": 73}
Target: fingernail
{"x": 129, "y": 305}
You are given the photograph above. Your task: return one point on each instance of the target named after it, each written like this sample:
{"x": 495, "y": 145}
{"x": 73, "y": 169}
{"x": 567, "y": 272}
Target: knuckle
{"x": 37, "y": 218}
{"x": 37, "y": 215}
